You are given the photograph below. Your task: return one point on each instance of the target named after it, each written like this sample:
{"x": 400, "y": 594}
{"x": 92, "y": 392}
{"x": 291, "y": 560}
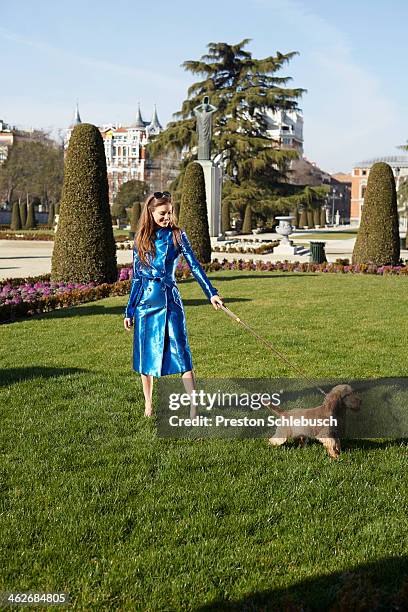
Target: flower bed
{"x": 263, "y": 248}
{"x": 26, "y": 236}
{"x": 296, "y": 266}
{"x": 34, "y": 295}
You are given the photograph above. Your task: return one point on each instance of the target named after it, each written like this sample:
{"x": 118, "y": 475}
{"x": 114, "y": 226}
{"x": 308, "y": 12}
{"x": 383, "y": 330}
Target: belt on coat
{"x": 170, "y": 282}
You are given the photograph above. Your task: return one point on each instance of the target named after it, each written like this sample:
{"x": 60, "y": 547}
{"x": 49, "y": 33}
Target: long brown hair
{"x": 144, "y": 236}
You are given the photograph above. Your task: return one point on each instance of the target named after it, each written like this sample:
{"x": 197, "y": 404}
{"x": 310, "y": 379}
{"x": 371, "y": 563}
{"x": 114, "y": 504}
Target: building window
{"x": 364, "y": 172}
{"x": 363, "y": 190}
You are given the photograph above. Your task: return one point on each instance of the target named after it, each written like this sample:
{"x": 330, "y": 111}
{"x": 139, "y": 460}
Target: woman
{"x": 160, "y": 344}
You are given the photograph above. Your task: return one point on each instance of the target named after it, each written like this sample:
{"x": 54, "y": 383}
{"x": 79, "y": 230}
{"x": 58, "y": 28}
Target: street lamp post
{"x": 333, "y": 198}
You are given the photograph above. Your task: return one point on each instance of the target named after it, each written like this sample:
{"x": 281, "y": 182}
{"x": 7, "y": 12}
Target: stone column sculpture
{"x": 204, "y": 113}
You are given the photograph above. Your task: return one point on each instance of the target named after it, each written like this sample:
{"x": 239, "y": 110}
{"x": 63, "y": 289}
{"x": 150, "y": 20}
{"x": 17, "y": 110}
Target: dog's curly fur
{"x": 339, "y": 399}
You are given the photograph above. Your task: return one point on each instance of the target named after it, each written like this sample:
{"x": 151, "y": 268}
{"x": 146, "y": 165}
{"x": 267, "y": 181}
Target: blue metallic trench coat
{"x": 160, "y": 342}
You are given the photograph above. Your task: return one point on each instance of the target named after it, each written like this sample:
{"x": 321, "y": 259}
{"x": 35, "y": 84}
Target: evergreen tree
{"x": 15, "y": 217}
{"x": 225, "y": 217}
{"x": 193, "y": 212}
{"x": 84, "y": 246}
{"x": 129, "y": 192}
{"x": 51, "y": 215}
{"x": 247, "y": 226}
{"x": 377, "y": 240}
{"x": 242, "y": 88}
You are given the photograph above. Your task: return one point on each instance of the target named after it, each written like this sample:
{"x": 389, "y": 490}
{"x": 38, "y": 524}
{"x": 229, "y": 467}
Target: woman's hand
{"x": 216, "y": 301}
{"x": 127, "y": 323}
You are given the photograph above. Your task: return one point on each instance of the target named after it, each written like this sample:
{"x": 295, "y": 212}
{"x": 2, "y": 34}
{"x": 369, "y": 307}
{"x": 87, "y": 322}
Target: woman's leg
{"x": 147, "y": 382}
{"x": 190, "y": 385}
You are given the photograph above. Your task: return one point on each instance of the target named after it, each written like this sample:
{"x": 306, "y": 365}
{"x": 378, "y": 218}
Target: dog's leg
{"x": 303, "y": 440}
{"x": 275, "y": 441}
{"x": 331, "y": 447}
{"x": 337, "y": 446}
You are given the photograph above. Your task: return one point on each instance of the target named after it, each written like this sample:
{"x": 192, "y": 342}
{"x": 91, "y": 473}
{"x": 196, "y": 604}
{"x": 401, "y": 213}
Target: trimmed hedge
{"x": 377, "y": 240}
{"x": 84, "y": 245}
{"x": 193, "y": 216}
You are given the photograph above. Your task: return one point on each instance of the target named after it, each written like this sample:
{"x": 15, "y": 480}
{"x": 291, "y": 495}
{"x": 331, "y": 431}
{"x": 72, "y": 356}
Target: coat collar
{"x": 162, "y": 232}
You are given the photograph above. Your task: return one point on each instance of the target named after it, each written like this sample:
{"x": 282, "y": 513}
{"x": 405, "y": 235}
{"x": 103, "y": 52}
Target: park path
{"x": 21, "y": 258}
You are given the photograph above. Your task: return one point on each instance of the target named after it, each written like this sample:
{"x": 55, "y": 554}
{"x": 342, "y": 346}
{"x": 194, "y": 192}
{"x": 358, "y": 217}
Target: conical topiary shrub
{"x": 15, "y": 217}
{"x": 322, "y": 217}
{"x": 51, "y": 215}
{"x": 295, "y": 215}
{"x": 377, "y": 240}
{"x": 303, "y": 218}
{"x": 309, "y": 216}
{"x": 225, "y": 217}
{"x": 316, "y": 216}
{"x": 23, "y": 212}
{"x": 31, "y": 222}
{"x": 193, "y": 216}
{"x": 247, "y": 225}
{"x": 84, "y": 246}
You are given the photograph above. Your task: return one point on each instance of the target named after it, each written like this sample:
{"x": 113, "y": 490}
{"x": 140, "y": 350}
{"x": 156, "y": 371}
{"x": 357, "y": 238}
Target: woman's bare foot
{"x": 148, "y": 409}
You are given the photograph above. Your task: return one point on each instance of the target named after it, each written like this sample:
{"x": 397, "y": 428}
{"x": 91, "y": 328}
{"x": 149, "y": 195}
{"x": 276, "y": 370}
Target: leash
{"x": 239, "y": 320}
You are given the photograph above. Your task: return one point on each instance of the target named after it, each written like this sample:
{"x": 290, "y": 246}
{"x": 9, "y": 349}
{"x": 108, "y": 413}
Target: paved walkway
{"x": 21, "y": 258}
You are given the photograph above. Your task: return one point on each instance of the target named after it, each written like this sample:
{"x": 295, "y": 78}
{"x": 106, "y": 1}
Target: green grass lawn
{"x": 93, "y": 503}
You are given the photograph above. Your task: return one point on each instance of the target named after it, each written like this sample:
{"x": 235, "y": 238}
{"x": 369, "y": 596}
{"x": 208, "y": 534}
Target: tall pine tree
{"x": 242, "y": 88}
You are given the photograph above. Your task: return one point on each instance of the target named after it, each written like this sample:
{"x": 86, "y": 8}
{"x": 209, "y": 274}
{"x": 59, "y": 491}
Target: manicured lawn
{"x": 93, "y": 503}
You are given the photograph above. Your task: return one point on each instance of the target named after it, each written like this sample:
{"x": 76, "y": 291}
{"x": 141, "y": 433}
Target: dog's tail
{"x": 274, "y": 410}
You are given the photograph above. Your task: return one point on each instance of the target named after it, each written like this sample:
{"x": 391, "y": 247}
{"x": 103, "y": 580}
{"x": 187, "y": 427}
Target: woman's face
{"x": 162, "y": 214}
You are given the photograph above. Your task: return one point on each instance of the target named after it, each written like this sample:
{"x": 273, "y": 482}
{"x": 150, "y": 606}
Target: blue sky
{"x": 110, "y": 55}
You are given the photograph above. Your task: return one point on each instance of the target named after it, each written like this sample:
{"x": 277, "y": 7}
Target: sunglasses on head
{"x": 162, "y": 194}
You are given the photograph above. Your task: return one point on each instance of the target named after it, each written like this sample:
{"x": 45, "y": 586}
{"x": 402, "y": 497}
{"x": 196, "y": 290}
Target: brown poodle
{"x": 339, "y": 399}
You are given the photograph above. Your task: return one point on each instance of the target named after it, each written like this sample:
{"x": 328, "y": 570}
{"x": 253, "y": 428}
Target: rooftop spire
{"x": 77, "y": 117}
{"x": 155, "y": 123}
{"x": 139, "y": 123}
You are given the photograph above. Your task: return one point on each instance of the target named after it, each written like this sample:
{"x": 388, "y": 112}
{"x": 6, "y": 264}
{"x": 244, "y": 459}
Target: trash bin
{"x": 317, "y": 254}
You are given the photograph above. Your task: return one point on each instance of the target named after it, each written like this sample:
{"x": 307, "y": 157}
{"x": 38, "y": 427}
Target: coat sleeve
{"x": 195, "y": 266}
{"x": 135, "y": 288}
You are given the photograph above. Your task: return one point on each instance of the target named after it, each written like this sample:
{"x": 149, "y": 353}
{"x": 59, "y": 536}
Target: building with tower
{"x": 125, "y": 153}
